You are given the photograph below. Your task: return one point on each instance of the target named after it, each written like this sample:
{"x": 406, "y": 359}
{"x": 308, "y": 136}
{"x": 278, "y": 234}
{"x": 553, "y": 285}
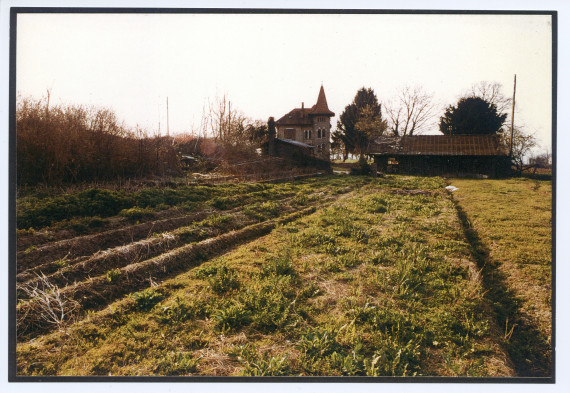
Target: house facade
{"x": 308, "y": 126}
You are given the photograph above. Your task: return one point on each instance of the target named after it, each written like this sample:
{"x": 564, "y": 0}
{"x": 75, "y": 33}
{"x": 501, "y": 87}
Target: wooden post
{"x": 271, "y": 136}
{"x": 167, "y": 119}
{"x": 513, "y": 117}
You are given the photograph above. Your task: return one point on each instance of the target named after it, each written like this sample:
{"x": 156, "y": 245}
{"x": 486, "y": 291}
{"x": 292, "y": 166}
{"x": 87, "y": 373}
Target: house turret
{"x": 310, "y": 126}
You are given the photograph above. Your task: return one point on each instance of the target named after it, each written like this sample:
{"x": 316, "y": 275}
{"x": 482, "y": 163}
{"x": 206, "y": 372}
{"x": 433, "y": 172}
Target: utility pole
{"x": 513, "y": 117}
{"x": 167, "y": 119}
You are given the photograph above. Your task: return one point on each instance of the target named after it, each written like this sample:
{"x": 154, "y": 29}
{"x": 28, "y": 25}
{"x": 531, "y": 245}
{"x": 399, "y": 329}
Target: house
{"x": 451, "y": 155}
{"x": 307, "y": 128}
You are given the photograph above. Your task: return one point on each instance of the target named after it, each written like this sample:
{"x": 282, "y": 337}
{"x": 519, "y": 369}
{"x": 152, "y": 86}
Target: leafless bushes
{"x": 47, "y": 308}
{"x": 61, "y": 144}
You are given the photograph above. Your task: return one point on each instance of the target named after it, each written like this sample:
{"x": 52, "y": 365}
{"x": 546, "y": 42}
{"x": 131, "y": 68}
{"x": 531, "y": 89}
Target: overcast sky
{"x": 269, "y": 64}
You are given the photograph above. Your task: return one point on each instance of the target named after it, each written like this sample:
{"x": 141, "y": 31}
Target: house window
{"x": 289, "y": 133}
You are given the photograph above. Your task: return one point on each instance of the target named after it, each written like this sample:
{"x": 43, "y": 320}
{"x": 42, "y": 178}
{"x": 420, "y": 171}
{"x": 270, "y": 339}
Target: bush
{"x": 265, "y": 365}
{"x": 225, "y": 203}
{"x": 177, "y": 364}
{"x": 280, "y": 266}
{"x": 136, "y": 213}
{"x": 181, "y": 311}
{"x": 40, "y": 212}
{"x": 69, "y": 144}
{"x": 318, "y": 344}
{"x": 262, "y": 211}
{"x": 269, "y": 307}
{"x": 224, "y": 280}
{"x": 113, "y": 276}
{"x": 230, "y": 317}
{"x": 147, "y": 299}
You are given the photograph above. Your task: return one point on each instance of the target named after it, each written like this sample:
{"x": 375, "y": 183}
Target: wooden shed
{"x": 446, "y": 155}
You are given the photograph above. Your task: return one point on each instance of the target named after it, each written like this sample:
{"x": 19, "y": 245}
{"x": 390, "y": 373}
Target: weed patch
{"x": 147, "y": 299}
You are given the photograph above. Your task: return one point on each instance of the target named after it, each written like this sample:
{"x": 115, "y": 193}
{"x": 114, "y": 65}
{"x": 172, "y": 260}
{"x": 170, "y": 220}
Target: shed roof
{"x": 438, "y": 145}
{"x": 295, "y": 143}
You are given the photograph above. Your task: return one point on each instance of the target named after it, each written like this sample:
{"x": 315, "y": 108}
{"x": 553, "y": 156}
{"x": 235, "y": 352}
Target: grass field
{"x": 327, "y": 276}
{"x": 511, "y": 228}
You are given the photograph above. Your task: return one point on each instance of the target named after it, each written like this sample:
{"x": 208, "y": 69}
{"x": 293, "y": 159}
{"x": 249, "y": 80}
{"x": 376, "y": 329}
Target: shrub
{"x": 231, "y": 316}
{"x": 70, "y": 144}
{"x": 113, "y": 276}
{"x": 147, "y": 299}
{"x": 318, "y": 344}
{"x": 268, "y": 366}
{"x": 40, "y": 212}
{"x": 262, "y": 211}
{"x": 255, "y": 365}
{"x": 225, "y": 203}
{"x": 268, "y": 306}
{"x": 375, "y": 204}
{"x": 217, "y": 221}
{"x": 136, "y": 213}
{"x": 280, "y": 266}
{"x": 394, "y": 358}
{"x": 224, "y": 280}
{"x": 181, "y": 311}
{"x": 177, "y": 364}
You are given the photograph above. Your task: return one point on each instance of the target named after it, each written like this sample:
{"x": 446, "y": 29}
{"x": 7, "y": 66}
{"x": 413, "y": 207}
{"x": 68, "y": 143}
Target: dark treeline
{"x": 69, "y": 144}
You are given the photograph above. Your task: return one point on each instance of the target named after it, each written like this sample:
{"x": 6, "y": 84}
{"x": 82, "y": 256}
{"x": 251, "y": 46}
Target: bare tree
{"x": 226, "y": 124}
{"x": 522, "y": 145}
{"x": 410, "y": 112}
{"x": 542, "y": 160}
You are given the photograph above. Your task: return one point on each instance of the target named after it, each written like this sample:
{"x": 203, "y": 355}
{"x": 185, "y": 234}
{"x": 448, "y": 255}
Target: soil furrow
{"x": 85, "y": 245}
{"x": 98, "y": 291}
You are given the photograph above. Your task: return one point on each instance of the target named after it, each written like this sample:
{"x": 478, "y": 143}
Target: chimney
{"x": 302, "y": 105}
{"x": 271, "y": 136}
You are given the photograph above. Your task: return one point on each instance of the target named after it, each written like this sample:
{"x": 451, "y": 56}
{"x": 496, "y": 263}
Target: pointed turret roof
{"x": 301, "y": 116}
{"x": 321, "y": 107}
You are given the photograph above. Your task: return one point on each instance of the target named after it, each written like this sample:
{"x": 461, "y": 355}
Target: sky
{"x": 267, "y": 65}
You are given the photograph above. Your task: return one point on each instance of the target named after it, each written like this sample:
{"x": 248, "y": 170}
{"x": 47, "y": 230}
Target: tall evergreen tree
{"x": 360, "y": 121}
{"x": 471, "y": 116}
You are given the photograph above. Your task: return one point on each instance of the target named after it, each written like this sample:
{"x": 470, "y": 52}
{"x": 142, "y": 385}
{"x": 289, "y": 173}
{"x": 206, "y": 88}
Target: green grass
{"x": 379, "y": 283}
{"x": 510, "y": 223}
{"x": 88, "y": 209}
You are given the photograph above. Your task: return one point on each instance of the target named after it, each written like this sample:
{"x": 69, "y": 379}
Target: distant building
{"x": 308, "y": 127}
{"x": 452, "y": 155}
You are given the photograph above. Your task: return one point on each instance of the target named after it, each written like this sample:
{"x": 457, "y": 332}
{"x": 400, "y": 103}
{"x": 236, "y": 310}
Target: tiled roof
{"x": 321, "y": 107}
{"x": 438, "y": 145}
{"x": 300, "y": 116}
